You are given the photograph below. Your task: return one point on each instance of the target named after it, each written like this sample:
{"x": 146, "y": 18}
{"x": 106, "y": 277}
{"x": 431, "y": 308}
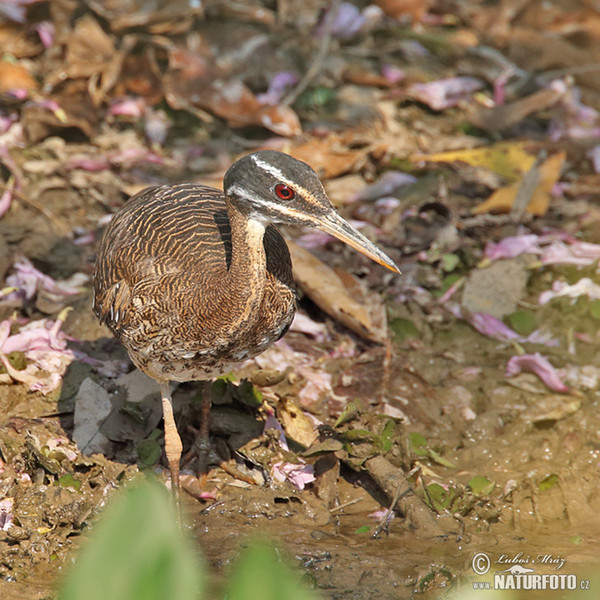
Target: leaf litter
{"x": 466, "y": 138}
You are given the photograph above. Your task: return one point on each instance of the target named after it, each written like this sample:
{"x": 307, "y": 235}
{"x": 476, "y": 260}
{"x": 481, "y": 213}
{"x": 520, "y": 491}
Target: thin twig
{"x": 42, "y": 209}
{"x": 312, "y": 71}
{"x": 388, "y": 515}
{"x": 346, "y": 504}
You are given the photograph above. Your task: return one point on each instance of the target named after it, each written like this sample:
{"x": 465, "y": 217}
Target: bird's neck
{"x": 248, "y": 268}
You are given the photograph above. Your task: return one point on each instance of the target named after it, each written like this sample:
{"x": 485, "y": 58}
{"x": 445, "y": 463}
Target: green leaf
{"x": 481, "y": 486}
{"x": 261, "y": 574}
{"x": 576, "y": 539}
{"x": 440, "y": 460}
{"x": 417, "y": 440}
{"x": 363, "y": 529}
{"x": 440, "y": 498}
{"x": 418, "y": 444}
{"x": 249, "y": 395}
{"x": 149, "y": 451}
{"x": 316, "y": 97}
{"x": 68, "y": 481}
{"x": 356, "y": 434}
{"x": 522, "y": 321}
{"x": 136, "y": 551}
{"x": 594, "y": 308}
{"x": 349, "y": 413}
{"x": 449, "y": 262}
{"x": 403, "y": 329}
{"x": 385, "y": 440}
{"x": 548, "y": 482}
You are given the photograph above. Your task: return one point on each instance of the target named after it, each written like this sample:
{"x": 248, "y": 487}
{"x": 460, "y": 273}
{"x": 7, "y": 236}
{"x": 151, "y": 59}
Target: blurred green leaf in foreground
{"x": 137, "y": 551}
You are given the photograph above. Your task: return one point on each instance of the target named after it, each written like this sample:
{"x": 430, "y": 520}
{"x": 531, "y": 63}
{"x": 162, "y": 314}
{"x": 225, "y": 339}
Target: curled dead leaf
{"x": 340, "y": 295}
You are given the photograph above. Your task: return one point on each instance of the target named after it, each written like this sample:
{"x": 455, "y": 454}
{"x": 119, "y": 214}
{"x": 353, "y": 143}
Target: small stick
{"x": 346, "y": 504}
{"x": 312, "y": 71}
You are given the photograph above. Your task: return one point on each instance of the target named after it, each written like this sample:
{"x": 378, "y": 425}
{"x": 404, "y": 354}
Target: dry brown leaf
{"x": 192, "y": 82}
{"x": 281, "y": 120}
{"x": 14, "y": 76}
{"x": 168, "y": 17}
{"x": 339, "y": 294}
{"x": 89, "y": 49}
{"x": 502, "y": 200}
{"x": 502, "y": 117}
{"x": 538, "y": 50}
{"x": 16, "y": 42}
{"x": 342, "y": 189}
{"x": 401, "y": 9}
{"x": 296, "y": 424}
{"x": 76, "y": 112}
{"x": 329, "y": 157}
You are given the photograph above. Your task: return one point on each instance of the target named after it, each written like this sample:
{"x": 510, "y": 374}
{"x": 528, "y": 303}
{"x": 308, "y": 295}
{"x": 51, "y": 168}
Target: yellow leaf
{"x": 508, "y": 159}
{"x": 502, "y": 199}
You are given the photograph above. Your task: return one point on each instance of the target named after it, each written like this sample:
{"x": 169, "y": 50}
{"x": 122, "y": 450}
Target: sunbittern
{"x": 193, "y": 280}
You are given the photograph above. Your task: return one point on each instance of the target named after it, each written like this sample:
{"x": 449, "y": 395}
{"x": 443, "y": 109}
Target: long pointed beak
{"x": 335, "y": 225}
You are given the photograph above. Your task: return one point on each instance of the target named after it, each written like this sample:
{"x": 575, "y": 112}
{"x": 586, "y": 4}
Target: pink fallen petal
{"x": 18, "y": 93}
{"x": 393, "y": 73}
{"x": 492, "y": 327}
{"x": 45, "y": 349}
{"x": 576, "y": 253}
{"x": 450, "y": 291}
{"x": 540, "y": 366}
{"x": 342, "y": 21}
{"x": 127, "y": 107}
{"x": 6, "y": 121}
{"x": 132, "y": 156}
{"x": 45, "y": 29}
{"x": 444, "y": 93}
{"x": 87, "y": 163}
{"x": 6, "y": 513}
{"x": 278, "y": 85}
{"x": 584, "y": 287}
{"x": 85, "y": 238}
{"x": 513, "y": 246}
{"x": 300, "y": 475}
{"x": 382, "y": 515}
{"x": 313, "y": 239}
{"x": 28, "y": 280}
{"x": 304, "y": 324}
{"x": 387, "y": 205}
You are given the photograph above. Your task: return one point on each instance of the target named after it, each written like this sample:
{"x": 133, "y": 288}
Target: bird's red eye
{"x": 284, "y": 192}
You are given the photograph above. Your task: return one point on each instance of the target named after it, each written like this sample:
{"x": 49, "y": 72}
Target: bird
{"x": 193, "y": 280}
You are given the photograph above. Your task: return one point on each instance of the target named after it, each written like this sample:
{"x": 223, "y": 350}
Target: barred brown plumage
{"x": 192, "y": 280}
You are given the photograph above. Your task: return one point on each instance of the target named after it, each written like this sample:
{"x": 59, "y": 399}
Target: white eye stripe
{"x": 265, "y": 166}
{"x": 243, "y": 193}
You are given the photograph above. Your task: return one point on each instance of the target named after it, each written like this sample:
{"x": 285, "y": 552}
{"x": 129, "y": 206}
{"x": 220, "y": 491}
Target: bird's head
{"x": 273, "y": 187}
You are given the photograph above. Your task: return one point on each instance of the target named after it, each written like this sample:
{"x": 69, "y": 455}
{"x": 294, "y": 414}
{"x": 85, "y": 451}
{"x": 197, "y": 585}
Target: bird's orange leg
{"x": 173, "y": 445}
